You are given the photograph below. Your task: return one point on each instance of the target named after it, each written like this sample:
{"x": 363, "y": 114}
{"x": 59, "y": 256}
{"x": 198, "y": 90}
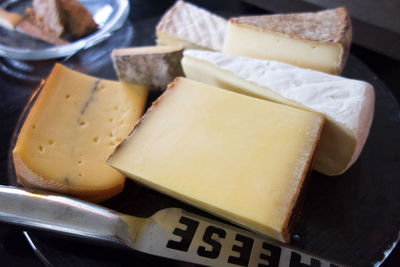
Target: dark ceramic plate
{"x": 353, "y": 218}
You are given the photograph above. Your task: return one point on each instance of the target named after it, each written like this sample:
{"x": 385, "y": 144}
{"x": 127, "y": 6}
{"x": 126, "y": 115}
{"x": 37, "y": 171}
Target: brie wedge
{"x": 347, "y": 104}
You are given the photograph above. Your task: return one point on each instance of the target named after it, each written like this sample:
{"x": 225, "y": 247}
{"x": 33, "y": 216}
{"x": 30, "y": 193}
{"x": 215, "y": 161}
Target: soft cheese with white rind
{"x": 72, "y": 128}
{"x": 191, "y": 27}
{"x": 151, "y": 65}
{"x": 347, "y": 104}
{"x": 316, "y": 40}
{"x": 216, "y": 150}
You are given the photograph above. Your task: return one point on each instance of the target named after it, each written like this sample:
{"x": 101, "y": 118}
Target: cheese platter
{"x": 339, "y": 212}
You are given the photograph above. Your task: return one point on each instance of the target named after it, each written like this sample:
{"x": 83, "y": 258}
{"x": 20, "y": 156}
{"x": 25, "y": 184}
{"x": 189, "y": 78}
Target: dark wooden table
{"x": 14, "y": 93}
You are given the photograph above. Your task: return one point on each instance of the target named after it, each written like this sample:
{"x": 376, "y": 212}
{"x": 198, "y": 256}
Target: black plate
{"x": 353, "y": 218}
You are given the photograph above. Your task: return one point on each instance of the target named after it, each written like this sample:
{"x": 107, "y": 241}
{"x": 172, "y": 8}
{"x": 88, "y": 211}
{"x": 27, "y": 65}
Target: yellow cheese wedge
{"x": 73, "y": 127}
{"x": 241, "y": 158}
{"x": 319, "y": 41}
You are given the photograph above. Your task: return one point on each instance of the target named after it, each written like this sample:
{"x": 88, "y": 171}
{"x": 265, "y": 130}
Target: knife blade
{"x": 171, "y": 232}
{"x": 26, "y": 24}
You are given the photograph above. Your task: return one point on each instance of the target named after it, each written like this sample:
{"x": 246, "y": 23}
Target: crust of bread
{"x": 78, "y": 20}
{"x": 28, "y": 178}
{"x": 49, "y": 15}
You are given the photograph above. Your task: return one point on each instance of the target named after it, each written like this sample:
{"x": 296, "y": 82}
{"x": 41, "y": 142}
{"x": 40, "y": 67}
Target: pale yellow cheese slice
{"x": 241, "y": 158}
{"x": 73, "y": 127}
{"x": 314, "y": 40}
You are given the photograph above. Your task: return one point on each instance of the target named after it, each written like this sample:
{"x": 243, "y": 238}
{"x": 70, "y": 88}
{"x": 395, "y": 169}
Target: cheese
{"x": 191, "y": 27}
{"x": 150, "y": 65}
{"x": 73, "y": 127}
{"x": 239, "y": 157}
{"x": 319, "y": 41}
{"x": 9, "y": 20}
{"x": 347, "y": 104}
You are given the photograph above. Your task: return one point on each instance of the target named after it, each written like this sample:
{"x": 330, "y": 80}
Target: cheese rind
{"x": 218, "y": 150}
{"x": 347, "y": 104}
{"x": 191, "y": 27}
{"x": 319, "y": 41}
{"x": 71, "y": 130}
{"x": 151, "y": 65}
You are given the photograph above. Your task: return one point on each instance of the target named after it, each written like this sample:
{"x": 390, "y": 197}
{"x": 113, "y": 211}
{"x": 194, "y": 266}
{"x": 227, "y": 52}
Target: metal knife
{"x": 25, "y": 24}
{"x": 171, "y": 233}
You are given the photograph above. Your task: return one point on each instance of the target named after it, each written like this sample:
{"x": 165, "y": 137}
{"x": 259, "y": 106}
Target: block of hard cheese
{"x": 319, "y": 41}
{"x": 191, "y": 27}
{"x": 149, "y": 65}
{"x": 238, "y": 157}
{"x": 347, "y": 104}
{"x": 71, "y": 130}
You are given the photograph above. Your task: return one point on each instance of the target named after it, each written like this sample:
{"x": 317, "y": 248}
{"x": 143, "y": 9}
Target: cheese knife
{"x": 171, "y": 232}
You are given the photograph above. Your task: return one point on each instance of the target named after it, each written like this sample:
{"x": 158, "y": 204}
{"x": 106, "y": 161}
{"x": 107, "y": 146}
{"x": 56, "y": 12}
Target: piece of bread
{"x": 49, "y": 15}
{"x": 78, "y": 20}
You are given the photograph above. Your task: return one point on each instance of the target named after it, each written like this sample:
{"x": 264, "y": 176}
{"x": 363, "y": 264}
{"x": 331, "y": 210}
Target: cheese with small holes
{"x": 347, "y": 104}
{"x": 150, "y": 65}
{"x": 319, "y": 41}
{"x": 191, "y": 27}
{"x": 71, "y": 130}
{"x": 241, "y": 158}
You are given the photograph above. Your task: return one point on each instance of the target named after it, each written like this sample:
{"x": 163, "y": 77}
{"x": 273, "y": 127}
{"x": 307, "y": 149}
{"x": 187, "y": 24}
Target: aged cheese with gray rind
{"x": 347, "y": 104}
{"x": 192, "y": 27}
{"x": 317, "y": 40}
{"x": 150, "y": 65}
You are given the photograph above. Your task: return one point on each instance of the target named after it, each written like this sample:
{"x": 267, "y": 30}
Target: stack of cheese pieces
{"x": 240, "y": 157}
{"x": 238, "y": 138}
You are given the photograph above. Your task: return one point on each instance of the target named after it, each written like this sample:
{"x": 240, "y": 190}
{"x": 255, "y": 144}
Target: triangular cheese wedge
{"x": 318, "y": 41}
{"x": 191, "y": 27}
{"x": 218, "y": 151}
{"x": 74, "y": 125}
{"x": 347, "y": 104}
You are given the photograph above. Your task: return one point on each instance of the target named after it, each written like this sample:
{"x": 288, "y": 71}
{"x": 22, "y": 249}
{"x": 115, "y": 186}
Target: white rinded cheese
{"x": 192, "y": 27}
{"x": 348, "y": 104}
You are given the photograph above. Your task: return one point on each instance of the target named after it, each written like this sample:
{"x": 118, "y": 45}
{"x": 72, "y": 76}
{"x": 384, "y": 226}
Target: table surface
{"x": 15, "y": 92}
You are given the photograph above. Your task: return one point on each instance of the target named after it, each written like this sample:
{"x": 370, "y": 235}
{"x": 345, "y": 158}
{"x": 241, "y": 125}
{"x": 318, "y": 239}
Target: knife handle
{"x": 54, "y": 213}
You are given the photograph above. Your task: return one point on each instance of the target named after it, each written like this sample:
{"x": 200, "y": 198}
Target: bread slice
{"x": 78, "y": 20}
{"x": 49, "y": 15}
